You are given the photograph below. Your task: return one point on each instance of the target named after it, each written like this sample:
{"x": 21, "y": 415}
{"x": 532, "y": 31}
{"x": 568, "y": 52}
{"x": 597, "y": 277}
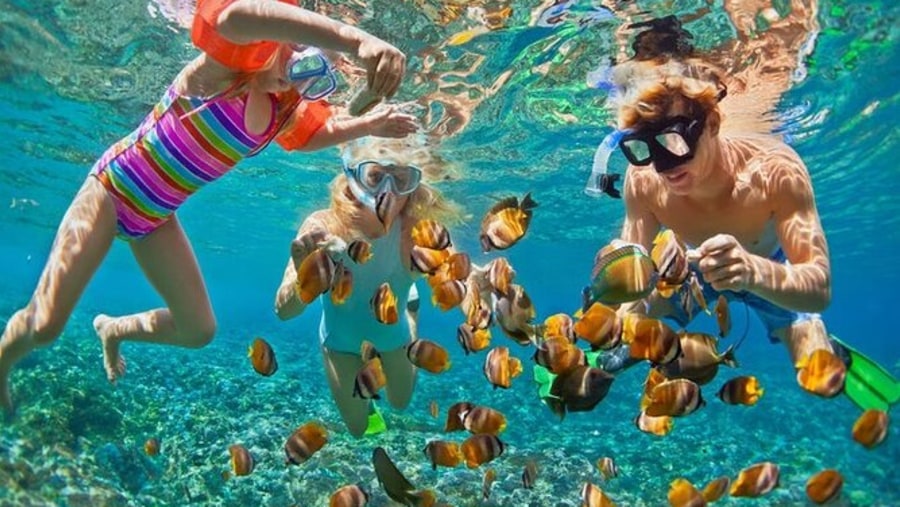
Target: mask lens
{"x": 636, "y": 151}
{"x": 674, "y": 143}
{"x": 371, "y": 176}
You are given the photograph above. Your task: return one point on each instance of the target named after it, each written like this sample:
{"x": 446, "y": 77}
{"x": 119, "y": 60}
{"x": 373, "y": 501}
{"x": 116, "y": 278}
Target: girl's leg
{"x": 82, "y": 241}
{"x": 166, "y": 257}
{"x": 341, "y": 369}
{"x": 401, "y": 377}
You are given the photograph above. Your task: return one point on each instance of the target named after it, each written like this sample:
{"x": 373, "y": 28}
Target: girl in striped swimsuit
{"x": 258, "y": 79}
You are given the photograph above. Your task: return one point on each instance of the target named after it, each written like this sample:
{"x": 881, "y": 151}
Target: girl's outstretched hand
{"x": 384, "y": 63}
{"x": 390, "y": 122}
{"x": 308, "y": 242}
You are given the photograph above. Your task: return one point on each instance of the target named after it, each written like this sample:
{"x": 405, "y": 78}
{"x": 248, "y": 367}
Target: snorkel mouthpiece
{"x": 600, "y": 181}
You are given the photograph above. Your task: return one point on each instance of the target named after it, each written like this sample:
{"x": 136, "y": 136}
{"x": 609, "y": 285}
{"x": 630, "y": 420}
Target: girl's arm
{"x": 313, "y": 232}
{"x": 383, "y": 122}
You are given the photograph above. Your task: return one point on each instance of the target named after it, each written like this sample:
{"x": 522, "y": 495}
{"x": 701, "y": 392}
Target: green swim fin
{"x": 376, "y": 421}
{"x": 544, "y": 378}
{"x": 868, "y": 384}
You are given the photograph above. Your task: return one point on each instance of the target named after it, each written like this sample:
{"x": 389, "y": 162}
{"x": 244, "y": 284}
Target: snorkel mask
{"x": 667, "y": 145}
{"x": 310, "y": 72}
{"x": 370, "y": 179}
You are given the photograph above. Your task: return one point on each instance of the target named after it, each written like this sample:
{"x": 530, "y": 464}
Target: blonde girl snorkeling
{"x": 260, "y": 77}
{"x": 372, "y": 169}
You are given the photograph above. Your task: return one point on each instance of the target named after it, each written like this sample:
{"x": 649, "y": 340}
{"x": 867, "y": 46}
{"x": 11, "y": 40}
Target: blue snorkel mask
{"x": 601, "y": 181}
{"x": 310, "y": 72}
{"x": 370, "y": 178}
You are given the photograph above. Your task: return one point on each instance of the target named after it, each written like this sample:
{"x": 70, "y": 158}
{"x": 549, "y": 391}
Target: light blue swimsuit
{"x": 344, "y": 327}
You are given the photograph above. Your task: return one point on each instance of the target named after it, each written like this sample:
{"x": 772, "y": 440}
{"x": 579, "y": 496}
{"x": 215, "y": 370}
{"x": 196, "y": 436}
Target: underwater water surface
{"x": 503, "y": 88}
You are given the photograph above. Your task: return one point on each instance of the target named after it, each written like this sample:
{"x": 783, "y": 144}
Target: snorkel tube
{"x": 600, "y": 181}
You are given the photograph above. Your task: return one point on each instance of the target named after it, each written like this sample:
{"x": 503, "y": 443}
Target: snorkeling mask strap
{"x": 600, "y": 181}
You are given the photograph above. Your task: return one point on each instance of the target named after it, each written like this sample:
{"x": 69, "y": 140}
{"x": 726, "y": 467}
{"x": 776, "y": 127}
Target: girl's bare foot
{"x": 113, "y": 362}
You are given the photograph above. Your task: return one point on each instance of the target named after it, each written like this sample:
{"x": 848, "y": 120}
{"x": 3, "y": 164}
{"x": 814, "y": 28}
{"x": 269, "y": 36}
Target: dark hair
{"x": 664, "y": 38}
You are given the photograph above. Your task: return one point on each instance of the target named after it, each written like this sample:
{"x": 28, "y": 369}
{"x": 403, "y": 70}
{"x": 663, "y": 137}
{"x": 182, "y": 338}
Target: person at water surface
{"x": 260, "y": 77}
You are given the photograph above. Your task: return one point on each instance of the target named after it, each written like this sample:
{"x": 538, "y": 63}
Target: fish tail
{"x": 728, "y": 357}
{"x": 528, "y": 203}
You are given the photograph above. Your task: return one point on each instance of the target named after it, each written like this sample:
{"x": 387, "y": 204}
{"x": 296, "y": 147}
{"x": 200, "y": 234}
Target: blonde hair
{"x": 425, "y": 202}
{"x": 649, "y": 90}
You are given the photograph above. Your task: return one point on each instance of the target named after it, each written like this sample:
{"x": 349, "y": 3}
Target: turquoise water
{"x": 76, "y": 76}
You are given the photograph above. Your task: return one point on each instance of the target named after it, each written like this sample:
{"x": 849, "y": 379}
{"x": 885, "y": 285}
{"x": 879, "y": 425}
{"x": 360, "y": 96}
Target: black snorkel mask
{"x": 667, "y": 145}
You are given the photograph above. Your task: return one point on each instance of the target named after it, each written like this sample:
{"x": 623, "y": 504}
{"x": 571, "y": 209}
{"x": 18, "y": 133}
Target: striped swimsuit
{"x": 172, "y": 154}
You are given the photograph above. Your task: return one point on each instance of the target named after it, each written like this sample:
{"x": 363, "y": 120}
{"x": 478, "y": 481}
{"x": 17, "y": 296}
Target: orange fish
{"x": 744, "y": 390}
{"x": 650, "y": 339}
{"x": 654, "y": 378}
{"x": 559, "y": 325}
{"x": 821, "y": 373}
{"x": 659, "y": 426}
{"x": 670, "y": 258}
{"x": 262, "y": 357}
{"x": 454, "y": 416}
{"x": 448, "y": 294}
{"x": 367, "y": 351}
{"x": 360, "y": 251}
{"x": 600, "y": 327}
{"x": 592, "y": 496}
{"x": 723, "y": 316}
{"x": 481, "y": 449}
{"x": 756, "y": 480}
{"x": 369, "y": 380}
{"x": 500, "y": 368}
{"x": 716, "y": 489}
{"x": 430, "y": 234}
{"x": 151, "y": 446}
{"x": 473, "y": 340}
{"x": 476, "y": 306}
{"x": 341, "y": 284}
{"x": 304, "y": 442}
{"x": 581, "y": 388}
{"x": 490, "y": 475}
{"x": 515, "y": 313}
{"x": 607, "y": 467}
{"x": 428, "y": 355}
{"x": 479, "y": 419}
{"x": 314, "y": 275}
{"x": 529, "y": 474}
{"x": 500, "y": 275}
{"x": 427, "y": 260}
{"x": 433, "y": 409}
{"x": 384, "y": 202}
{"x": 674, "y": 398}
{"x": 506, "y": 223}
{"x": 825, "y": 486}
{"x": 683, "y": 494}
{"x": 242, "y": 462}
{"x": 699, "y": 359}
{"x": 384, "y": 304}
{"x": 443, "y": 453}
{"x": 621, "y": 274}
{"x": 871, "y": 428}
{"x": 558, "y": 355}
{"x": 350, "y": 495}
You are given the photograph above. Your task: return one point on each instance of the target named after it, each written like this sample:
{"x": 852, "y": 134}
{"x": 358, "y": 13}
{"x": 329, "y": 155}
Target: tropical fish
{"x": 350, "y": 495}
{"x": 490, "y": 475}
{"x": 304, "y": 442}
{"x": 477, "y": 419}
{"x": 443, "y": 453}
{"x": 654, "y": 378}
{"x": 473, "y": 340}
{"x": 481, "y": 449}
{"x": 559, "y": 325}
{"x": 716, "y": 489}
{"x": 529, "y": 474}
{"x": 694, "y": 295}
{"x": 151, "y": 446}
{"x": 428, "y": 355}
{"x": 500, "y": 275}
{"x": 622, "y": 273}
{"x": 430, "y": 234}
{"x": 756, "y": 480}
{"x": 458, "y": 265}
{"x": 744, "y": 390}
{"x": 650, "y": 339}
{"x": 262, "y": 357}
{"x": 870, "y": 428}
{"x": 670, "y": 258}
{"x": 384, "y": 304}
{"x": 592, "y": 496}
{"x": 360, "y": 251}
{"x": 369, "y": 380}
{"x": 506, "y": 223}
{"x": 659, "y": 426}
{"x": 723, "y": 316}
{"x": 607, "y": 467}
{"x": 242, "y": 462}
{"x": 367, "y": 351}
{"x": 699, "y": 359}
{"x": 515, "y": 313}
{"x": 433, "y": 409}
{"x": 683, "y": 494}
{"x": 314, "y": 275}
{"x": 558, "y": 355}
{"x": 581, "y": 388}
{"x": 448, "y": 294}
{"x": 476, "y": 306}
{"x": 395, "y": 484}
{"x": 341, "y": 284}
{"x": 384, "y": 202}
{"x": 821, "y": 373}
{"x": 825, "y": 486}
{"x": 427, "y": 260}
{"x": 454, "y": 416}
{"x": 500, "y": 368}
{"x": 674, "y": 398}
{"x": 600, "y": 326}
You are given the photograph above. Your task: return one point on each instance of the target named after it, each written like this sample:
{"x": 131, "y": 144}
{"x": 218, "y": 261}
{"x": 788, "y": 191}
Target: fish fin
{"x": 508, "y": 202}
{"x": 728, "y": 357}
{"x": 528, "y": 203}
